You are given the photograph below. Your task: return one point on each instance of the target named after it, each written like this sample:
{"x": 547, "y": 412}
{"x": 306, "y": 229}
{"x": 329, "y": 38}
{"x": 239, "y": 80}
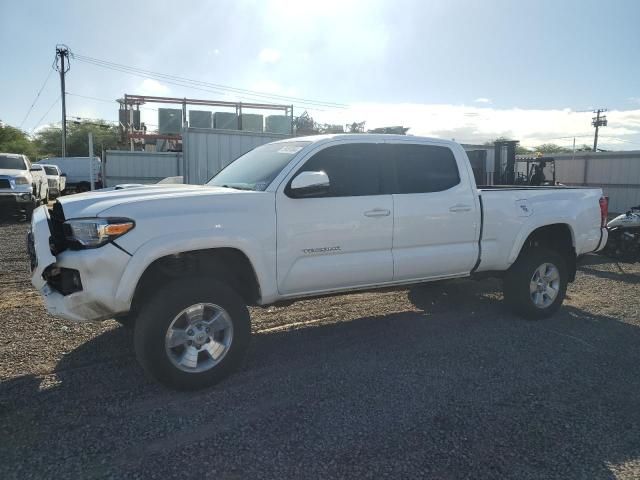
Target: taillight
{"x": 604, "y": 210}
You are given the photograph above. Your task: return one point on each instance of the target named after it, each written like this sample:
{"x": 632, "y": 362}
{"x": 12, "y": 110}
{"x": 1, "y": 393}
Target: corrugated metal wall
{"x": 206, "y": 152}
{"x": 140, "y": 167}
{"x": 617, "y": 173}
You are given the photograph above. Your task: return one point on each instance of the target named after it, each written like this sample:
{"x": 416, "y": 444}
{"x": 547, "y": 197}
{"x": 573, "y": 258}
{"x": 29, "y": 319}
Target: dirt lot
{"x": 438, "y": 381}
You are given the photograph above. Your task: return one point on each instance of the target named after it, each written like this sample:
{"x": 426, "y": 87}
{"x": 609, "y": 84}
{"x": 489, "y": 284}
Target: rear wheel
{"x": 192, "y": 334}
{"x": 536, "y": 284}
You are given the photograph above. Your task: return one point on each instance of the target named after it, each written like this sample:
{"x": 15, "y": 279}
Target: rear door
{"x": 342, "y": 238}
{"x": 436, "y": 216}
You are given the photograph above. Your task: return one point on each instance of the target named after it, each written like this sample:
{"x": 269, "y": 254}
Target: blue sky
{"x": 469, "y": 70}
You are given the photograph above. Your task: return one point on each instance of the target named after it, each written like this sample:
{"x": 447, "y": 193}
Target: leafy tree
{"x": 356, "y": 127}
{"x": 305, "y": 125}
{"x": 551, "y": 148}
{"x": 14, "y": 140}
{"x": 49, "y": 140}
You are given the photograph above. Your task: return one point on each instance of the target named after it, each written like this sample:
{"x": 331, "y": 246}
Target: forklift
{"x": 539, "y": 171}
{"x": 533, "y": 171}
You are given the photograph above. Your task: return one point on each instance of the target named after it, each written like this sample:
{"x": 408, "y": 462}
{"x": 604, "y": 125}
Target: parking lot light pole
{"x": 91, "y": 159}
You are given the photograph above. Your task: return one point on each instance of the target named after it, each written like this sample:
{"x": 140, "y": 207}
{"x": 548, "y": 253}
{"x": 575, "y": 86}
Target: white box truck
{"x": 79, "y": 171}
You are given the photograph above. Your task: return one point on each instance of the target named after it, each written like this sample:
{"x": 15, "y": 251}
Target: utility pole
{"x": 91, "y": 159}
{"x": 598, "y": 121}
{"x": 62, "y": 52}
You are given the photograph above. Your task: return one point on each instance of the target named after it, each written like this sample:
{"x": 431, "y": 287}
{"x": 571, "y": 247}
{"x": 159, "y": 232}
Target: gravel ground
{"x": 438, "y": 381}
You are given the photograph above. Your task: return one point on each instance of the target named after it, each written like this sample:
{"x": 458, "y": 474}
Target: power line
{"x": 208, "y": 84}
{"x": 106, "y": 100}
{"x": 92, "y": 98}
{"x": 620, "y": 139}
{"x": 46, "y": 80}
{"x": 46, "y": 113}
{"x": 71, "y": 117}
{"x": 191, "y": 83}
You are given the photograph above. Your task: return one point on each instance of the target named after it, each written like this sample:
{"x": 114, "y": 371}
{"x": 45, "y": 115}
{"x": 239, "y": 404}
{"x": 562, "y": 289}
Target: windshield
{"x": 51, "y": 170}
{"x": 12, "y": 163}
{"x": 256, "y": 169}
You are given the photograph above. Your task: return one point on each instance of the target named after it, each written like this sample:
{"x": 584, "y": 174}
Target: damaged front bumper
{"x": 78, "y": 285}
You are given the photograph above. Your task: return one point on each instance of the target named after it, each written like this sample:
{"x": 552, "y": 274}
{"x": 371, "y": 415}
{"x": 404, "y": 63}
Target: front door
{"x": 341, "y": 238}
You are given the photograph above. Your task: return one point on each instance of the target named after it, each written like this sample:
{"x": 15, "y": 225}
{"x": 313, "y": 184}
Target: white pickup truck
{"x": 298, "y": 218}
{"x": 56, "y": 179}
{"x": 23, "y": 186}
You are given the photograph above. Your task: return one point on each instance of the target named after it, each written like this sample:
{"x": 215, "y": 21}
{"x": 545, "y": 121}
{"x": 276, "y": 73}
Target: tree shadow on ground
{"x": 621, "y": 273}
{"x": 10, "y": 218}
{"x": 460, "y": 388}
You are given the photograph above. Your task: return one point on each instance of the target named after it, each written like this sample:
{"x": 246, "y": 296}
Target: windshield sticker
{"x": 290, "y": 149}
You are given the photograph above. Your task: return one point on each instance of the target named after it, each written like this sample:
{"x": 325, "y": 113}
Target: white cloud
{"x": 269, "y": 55}
{"x": 482, "y": 100}
{"x": 474, "y": 124}
{"x": 152, "y": 87}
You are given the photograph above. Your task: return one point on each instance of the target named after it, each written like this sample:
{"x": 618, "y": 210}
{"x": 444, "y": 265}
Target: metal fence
{"x": 617, "y": 173}
{"x": 206, "y": 152}
{"x": 122, "y": 166}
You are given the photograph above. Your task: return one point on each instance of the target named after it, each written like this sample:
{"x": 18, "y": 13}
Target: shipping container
{"x": 200, "y": 119}
{"x": 278, "y": 124}
{"x": 251, "y": 122}
{"x": 169, "y": 121}
{"x": 225, "y": 121}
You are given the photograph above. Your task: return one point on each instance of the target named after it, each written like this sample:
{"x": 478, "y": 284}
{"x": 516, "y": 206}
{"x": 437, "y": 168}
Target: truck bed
{"x": 509, "y": 213}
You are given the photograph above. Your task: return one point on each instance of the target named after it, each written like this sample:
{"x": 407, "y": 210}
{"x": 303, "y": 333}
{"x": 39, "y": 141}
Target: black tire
{"x": 128, "y": 321}
{"x": 159, "y": 311}
{"x": 28, "y": 211}
{"x": 517, "y": 281}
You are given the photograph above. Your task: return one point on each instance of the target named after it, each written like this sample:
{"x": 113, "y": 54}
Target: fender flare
{"x": 534, "y": 224}
{"x": 182, "y": 242}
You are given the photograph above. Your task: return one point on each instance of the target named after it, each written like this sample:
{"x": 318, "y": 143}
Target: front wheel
{"x": 191, "y": 334}
{"x": 536, "y": 284}
{"x": 28, "y": 210}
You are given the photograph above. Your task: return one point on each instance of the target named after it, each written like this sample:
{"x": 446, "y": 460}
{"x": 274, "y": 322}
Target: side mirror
{"x": 63, "y": 175}
{"x": 310, "y": 183}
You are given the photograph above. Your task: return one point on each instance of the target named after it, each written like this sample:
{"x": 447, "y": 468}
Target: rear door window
{"x": 422, "y": 168}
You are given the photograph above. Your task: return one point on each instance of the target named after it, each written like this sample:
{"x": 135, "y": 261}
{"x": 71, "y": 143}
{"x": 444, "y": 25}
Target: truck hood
{"x": 10, "y": 172}
{"x": 91, "y": 204}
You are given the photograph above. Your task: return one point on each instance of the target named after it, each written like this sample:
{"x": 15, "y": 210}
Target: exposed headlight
{"x": 22, "y": 181}
{"x": 95, "y": 232}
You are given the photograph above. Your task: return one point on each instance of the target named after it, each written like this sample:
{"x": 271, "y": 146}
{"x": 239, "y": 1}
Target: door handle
{"x": 460, "y": 208}
{"x": 377, "y": 212}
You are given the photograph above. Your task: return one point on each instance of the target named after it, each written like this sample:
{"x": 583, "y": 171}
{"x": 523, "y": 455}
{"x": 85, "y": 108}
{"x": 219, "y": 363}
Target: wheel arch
{"x": 559, "y": 237}
{"x": 228, "y": 264}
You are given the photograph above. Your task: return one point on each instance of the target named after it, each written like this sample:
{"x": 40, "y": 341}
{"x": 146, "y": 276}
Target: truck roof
{"x": 365, "y": 136}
